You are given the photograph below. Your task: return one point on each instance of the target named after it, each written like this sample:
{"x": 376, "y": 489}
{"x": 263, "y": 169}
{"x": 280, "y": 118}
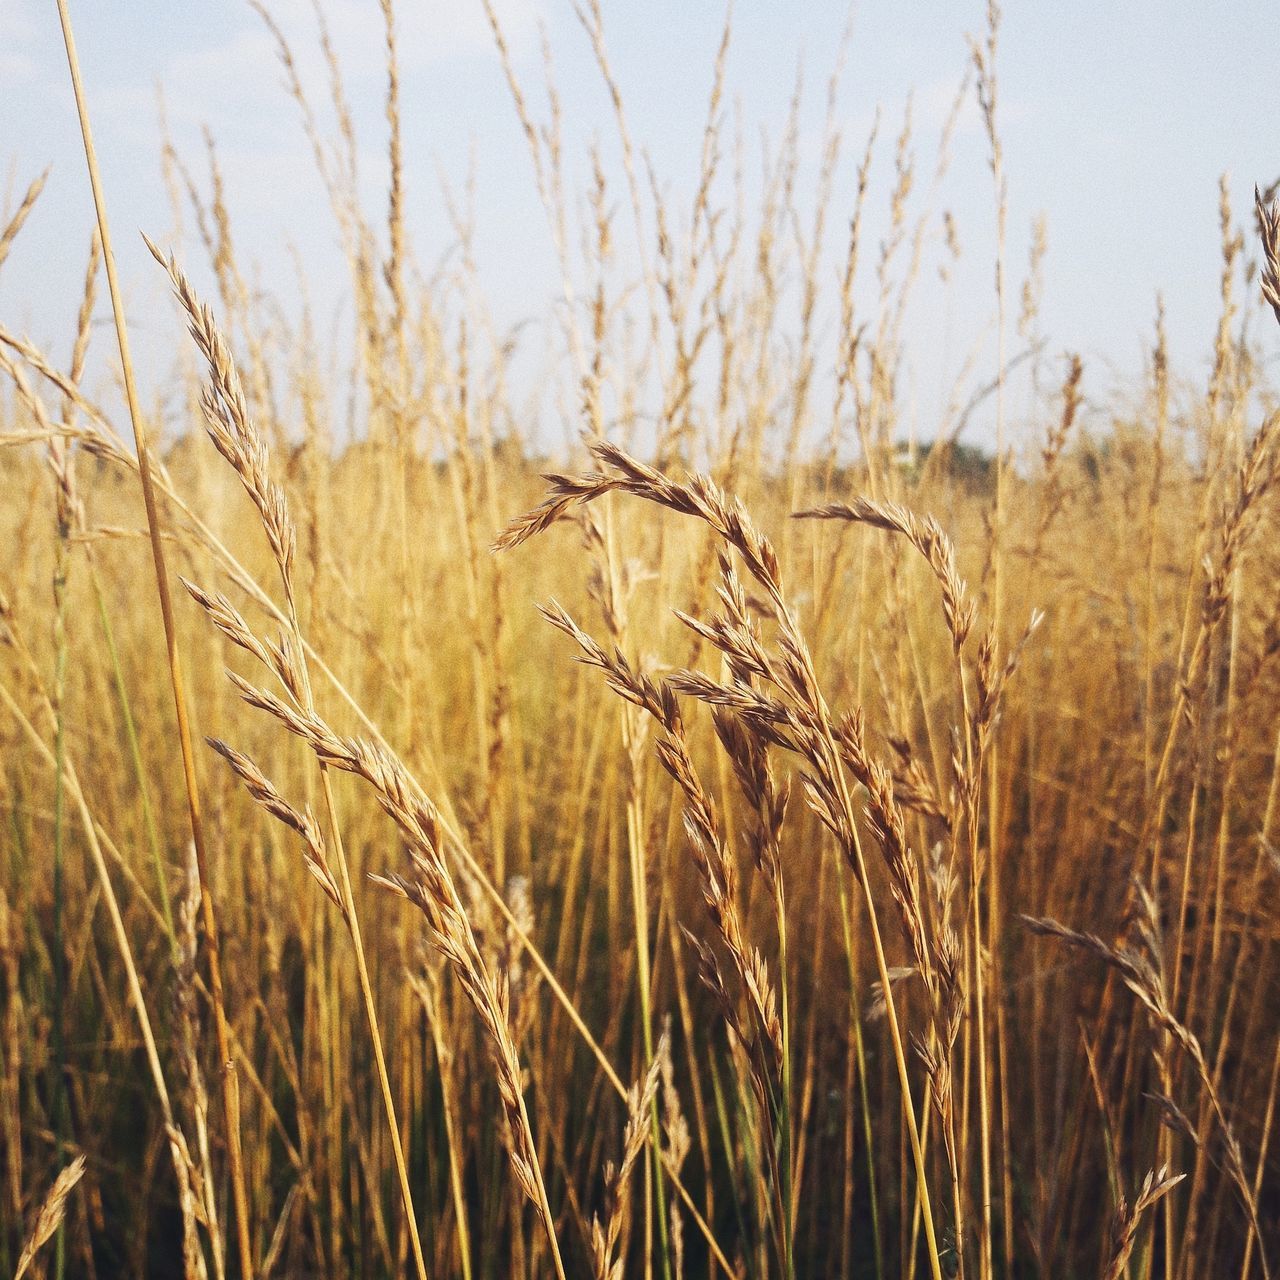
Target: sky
{"x": 1117, "y": 121}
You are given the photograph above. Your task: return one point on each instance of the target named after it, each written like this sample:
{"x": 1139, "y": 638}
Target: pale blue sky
{"x": 1117, "y": 120}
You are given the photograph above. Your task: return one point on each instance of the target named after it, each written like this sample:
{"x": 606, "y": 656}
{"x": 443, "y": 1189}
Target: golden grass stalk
{"x": 762, "y": 1035}
{"x": 1144, "y": 980}
{"x": 608, "y": 1238}
{"x": 235, "y": 435}
{"x": 802, "y": 723}
{"x": 230, "y": 1087}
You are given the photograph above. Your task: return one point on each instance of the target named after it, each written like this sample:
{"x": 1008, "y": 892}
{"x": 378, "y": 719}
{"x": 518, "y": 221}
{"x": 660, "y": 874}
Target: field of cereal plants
{"x": 739, "y": 839}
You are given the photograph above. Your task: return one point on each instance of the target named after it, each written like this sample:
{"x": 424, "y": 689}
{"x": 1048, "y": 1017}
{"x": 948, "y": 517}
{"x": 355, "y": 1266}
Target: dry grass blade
{"x": 1124, "y": 1225}
{"x": 228, "y": 419}
{"x": 699, "y": 496}
{"x": 1269, "y": 226}
{"x": 1141, "y": 976}
{"x": 609, "y": 1237}
{"x": 50, "y": 1215}
{"x": 10, "y": 232}
{"x": 926, "y": 535}
{"x": 302, "y": 822}
{"x": 230, "y": 1084}
{"x": 431, "y": 889}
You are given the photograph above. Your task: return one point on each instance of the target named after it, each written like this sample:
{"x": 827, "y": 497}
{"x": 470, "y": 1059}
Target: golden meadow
{"x": 749, "y": 844}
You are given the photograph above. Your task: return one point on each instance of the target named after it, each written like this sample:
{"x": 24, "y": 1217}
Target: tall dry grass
{"x": 748, "y": 846}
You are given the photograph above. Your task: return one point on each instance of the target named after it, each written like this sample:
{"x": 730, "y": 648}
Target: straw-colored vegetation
{"x": 754, "y": 848}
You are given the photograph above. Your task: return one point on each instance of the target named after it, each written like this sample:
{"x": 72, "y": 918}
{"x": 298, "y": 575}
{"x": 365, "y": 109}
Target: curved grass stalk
{"x": 230, "y": 1088}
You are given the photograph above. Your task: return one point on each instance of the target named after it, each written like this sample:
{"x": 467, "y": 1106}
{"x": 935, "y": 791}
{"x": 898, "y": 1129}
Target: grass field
{"x": 552, "y": 826}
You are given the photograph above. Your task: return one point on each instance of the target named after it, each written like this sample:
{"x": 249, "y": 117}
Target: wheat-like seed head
{"x": 50, "y": 1216}
{"x": 230, "y": 423}
{"x": 1269, "y": 226}
{"x": 1124, "y": 1226}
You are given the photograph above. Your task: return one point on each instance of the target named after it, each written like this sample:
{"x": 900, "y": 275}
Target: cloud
{"x": 426, "y": 34}
{"x": 429, "y": 32}
{"x": 236, "y": 84}
{"x": 17, "y": 23}
{"x": 16, "y": 68}
{"x": 19, "y": 38}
